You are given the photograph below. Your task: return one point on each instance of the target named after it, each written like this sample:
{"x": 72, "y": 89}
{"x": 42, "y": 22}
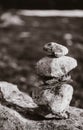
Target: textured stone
{"x": 12, "y": 120}
{"x": 55, "y": 49}
{"x": 59, "y": 99}
{"x": 12, "y": 95}
{"x": 55, "y": 67}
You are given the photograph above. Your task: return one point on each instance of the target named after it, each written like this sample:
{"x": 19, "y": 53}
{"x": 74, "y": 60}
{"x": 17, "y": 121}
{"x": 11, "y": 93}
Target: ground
{"x": 21, "y": 48}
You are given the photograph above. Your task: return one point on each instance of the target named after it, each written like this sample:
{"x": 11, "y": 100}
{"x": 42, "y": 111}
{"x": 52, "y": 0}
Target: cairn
{"x": 55, "y": 93}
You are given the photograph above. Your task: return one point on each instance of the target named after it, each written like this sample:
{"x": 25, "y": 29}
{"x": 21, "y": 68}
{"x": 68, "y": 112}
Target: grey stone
{"x": 11, "y": 94}
{"x": 55, "y": 49}
{"x": 59, "y": 100}
{"x": 11, "y": 120}
{"x": 56, "y": 99}
{"x": 55, "y": 67}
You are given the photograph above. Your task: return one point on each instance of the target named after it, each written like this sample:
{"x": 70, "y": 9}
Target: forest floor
{"x": 21, "y": 47}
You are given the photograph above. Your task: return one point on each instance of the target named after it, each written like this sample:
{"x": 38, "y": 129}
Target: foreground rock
{"x": 11, "y": 94}
{"x": 55, "y": 67}
{"x": 12, "y": 120}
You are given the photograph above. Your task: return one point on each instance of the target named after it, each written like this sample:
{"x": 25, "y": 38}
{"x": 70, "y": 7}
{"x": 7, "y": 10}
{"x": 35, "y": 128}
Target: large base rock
{"x": 11, "y": 120}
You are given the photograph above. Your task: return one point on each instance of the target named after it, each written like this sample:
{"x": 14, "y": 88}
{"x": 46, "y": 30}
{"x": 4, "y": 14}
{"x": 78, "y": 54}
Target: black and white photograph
{"x": 41, "y": 65}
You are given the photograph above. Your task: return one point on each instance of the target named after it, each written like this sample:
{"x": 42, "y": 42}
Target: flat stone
{"x": 11, "y": 94}
{"x": 55, "y": 67}
{"x": 55, "y": 49}
{"x": 59, "y": 100}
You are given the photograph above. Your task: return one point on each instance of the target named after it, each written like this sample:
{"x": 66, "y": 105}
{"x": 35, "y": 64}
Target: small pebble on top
{"x": 55, "y": 49}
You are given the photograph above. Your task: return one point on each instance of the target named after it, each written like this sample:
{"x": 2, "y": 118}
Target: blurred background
{"x": 22, "y": 38}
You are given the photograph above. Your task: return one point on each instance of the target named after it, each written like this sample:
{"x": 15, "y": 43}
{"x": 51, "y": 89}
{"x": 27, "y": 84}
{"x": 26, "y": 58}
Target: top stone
{"x": 55, "y": 49}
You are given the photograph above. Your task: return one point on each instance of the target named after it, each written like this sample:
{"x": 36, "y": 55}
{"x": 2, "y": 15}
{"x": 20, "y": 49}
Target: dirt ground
{"x": 21, "y": 48}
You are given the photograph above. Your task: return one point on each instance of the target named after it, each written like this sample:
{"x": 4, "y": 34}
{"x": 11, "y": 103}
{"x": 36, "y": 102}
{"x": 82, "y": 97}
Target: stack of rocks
{"x": 55, "y": 92}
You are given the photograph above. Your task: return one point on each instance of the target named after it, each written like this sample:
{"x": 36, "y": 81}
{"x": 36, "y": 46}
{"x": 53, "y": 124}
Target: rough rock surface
{"x": 55, "y": 49}
{"x": 11, "y": 94}
{"x": 12, "y": 120}
{"x": 59, "y": 100}
{"x": 55, "y": 67}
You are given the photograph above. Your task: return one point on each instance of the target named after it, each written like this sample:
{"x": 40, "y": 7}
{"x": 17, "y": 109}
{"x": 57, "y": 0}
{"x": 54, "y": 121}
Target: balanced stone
{"x": 55, "y": 49}
{"x": 59, "y": 100}
{"x": 55, "y": 67}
